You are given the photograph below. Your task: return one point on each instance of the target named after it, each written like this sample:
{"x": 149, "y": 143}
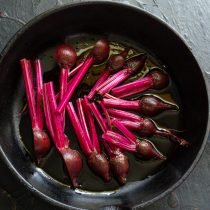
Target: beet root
{"x": 41, "y": 143}
{"x": 73, "y": 164}
{"x": 147, "y": 150}
{"x": 120, "y": 166}
{"x": 100, "y": 165}
{"x": 160, "y": 78}
{"x": 100, "y": 51}
{"x": 65, "y": 56}
{"x": 151, "y": 106}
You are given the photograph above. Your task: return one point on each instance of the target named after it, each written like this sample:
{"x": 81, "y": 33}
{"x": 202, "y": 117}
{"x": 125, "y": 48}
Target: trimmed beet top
{"x": 109, "y": 119}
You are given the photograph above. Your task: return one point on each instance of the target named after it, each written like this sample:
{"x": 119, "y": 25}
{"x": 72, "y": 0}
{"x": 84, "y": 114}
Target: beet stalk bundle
{"x": 114, "y": 63}
{"x": 118, "y": 160}
{"x": 133, "y": 64}
{"x": 155, "y": 79}
{"x": 96, "y": 160}
{"x": 147, "y": 105}
{"x": 71, "y": 158}
{"x": 145, "y": 127}
{"x": 41, "y": 139}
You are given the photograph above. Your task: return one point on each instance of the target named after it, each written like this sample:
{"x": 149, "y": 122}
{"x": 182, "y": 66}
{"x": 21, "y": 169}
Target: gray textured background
{"x": 191, "y": 19}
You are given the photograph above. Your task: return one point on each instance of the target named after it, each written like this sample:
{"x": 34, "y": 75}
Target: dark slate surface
{"x": 191, "y": 19}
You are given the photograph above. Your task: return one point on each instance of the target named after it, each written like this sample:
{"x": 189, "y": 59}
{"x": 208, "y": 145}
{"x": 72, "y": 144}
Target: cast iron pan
{"x": 103, "y": 18}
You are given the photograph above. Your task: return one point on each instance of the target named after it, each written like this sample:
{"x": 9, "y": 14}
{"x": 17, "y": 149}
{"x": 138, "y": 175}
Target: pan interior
{"x": 88, "y": 21}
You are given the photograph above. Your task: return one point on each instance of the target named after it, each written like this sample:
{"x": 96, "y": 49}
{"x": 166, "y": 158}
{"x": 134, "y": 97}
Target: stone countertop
{"x": 190, "y": 18}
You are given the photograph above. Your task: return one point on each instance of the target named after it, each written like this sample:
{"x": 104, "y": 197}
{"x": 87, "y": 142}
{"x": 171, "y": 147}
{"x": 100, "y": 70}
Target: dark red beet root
{"x": 120, "y": 166}
{"x": 100, "y": 52}
{"x": 160, "y": 78}
{"x": 136, "y": 62}
{"x": 148, "y": 128}
{"x": 116, "y": 62}
{"x": 73, "y": 164}
{"x": 41, "y": 143}
{"x": 146, "y": 149}
{"x": 151, "y": 106}
{"x": 65, "y": 56}
{"x": 100, "y": 165}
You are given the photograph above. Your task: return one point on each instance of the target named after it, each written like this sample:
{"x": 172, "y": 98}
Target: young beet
{"x": 114, "y": 63}
{"x": 148, "y": 105}
{"x": 118, "y": 160}
{"x": 155, "y": 79}
{"x": 146, "y": 127}
{"x": 133, "y": 64}
{"x": 96, "y": 160}
{"x": 66, "y": 57}
{"x": 144, "y": 148}
{"x": 71, "y": 158}
{"x": 98, "y": 54}
{"x": 41, "y": 139}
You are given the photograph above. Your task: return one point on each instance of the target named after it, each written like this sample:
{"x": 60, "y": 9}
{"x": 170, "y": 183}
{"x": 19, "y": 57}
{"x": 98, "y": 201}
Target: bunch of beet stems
{"x": 114, "y": 63}
{"x": 54, "y": 122}
{"x": 98, "y": 54}
{"x": 145, "y": 126}
{"x": 35, "y": 106}
{"x": 88, "y": 140}
{"x": 128, "y": 141}
{"x": 148, "y": 105}
{"x": 156, "y": 79}
{"x": 118, "y": 160}
{"x": 132, "y": 65}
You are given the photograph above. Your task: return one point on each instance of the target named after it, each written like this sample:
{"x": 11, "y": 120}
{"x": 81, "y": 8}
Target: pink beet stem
{"x": 118, "y": 140}
{"x": 47, "y": 113}
{"x": 130, "y": 136}
{"x": 27, "y": 77}
{"x": 92, "y": 127}
{"x": 60, "y": 138}
{"x": 131, "y": 125}
{"x": 101, "y": 103}
{"x": 63, "y": 88}
{"x": 108, "y": 96}
{"x": 83, "y": 121}
{"x": 121, "y": 104}
{"x": 123, "y": 75}
{"x": 39, "y": 93}
{"x": 75, "y": 82}
{"x": 124, "y": 115}
{"x": 131, "y": 88}
{"x": 103, "y": 77}
{"x": 98, "y": 117}
{"x": 110, "y": 79}
{"x": 75, "y": 70}
{"x": 82, "y": 138}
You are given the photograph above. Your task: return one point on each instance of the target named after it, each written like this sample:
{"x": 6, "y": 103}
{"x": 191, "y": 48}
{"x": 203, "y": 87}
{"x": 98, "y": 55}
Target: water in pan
{"x": 139, "y": 169}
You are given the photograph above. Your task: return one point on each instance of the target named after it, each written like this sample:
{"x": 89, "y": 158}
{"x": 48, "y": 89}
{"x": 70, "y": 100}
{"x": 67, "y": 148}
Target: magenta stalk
{"x": 133, "y": 64}
{"x": 98, "y": 54}
{"x": 93, "y": 133}
{"x": 83, "y": 122}
{"x": 63, "y": 88}
{"x": 41, "y": 139}
{"x": 155, "y": 79}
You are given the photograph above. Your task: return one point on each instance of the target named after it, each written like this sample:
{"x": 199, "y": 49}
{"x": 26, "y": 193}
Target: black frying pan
{"x": 103, "y": 18}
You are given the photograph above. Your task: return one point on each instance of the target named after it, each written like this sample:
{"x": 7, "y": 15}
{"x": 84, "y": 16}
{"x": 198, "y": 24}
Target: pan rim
{"x": 146, "y": 13}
